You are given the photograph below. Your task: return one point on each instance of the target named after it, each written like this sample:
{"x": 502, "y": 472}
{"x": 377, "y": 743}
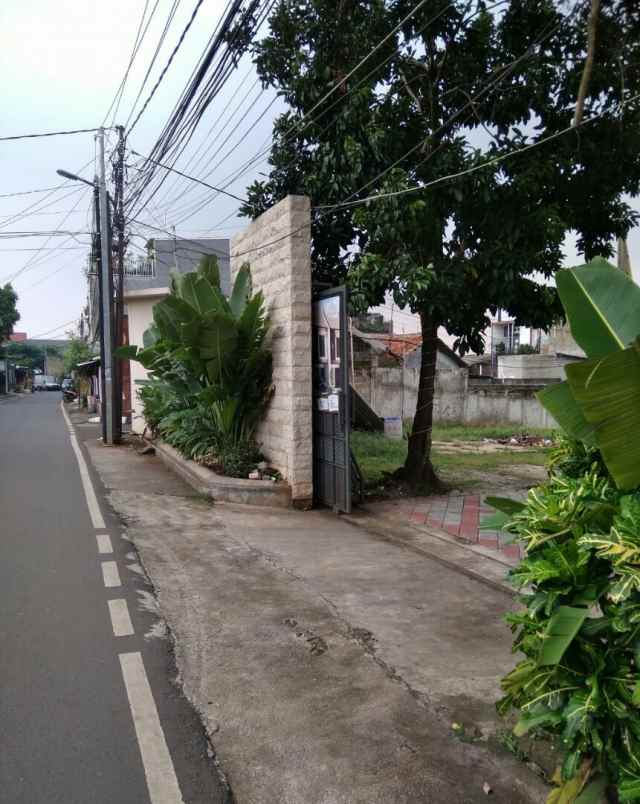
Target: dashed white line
{"x": 158, "y": 767}
{"x": 120, "y": 619}
{"x": 104, "y": 543}
{"x": 90, "y": 495}
{"x": 110, "y": 574}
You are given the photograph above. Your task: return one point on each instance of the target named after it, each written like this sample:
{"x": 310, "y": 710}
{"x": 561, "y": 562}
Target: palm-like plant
{"x": 210, "y": 350}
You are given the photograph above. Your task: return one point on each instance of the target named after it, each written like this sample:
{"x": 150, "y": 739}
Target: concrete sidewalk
{"x": 328, "y": 662}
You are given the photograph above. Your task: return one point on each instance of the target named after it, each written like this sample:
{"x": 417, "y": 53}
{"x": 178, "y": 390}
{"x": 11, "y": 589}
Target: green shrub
{"x": 579, "y": 628}
{"x": 237, "y": 459}
{"x": 157, "y": 402}
{"x": 209, "y": 368}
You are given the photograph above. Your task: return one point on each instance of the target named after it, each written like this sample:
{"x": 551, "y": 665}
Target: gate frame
{"x": 344, "y": 395}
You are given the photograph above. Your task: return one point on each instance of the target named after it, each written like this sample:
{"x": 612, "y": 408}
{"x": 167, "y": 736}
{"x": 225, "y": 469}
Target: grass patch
{"x": 377, "y": 456}
{"x": 461, "y": 432}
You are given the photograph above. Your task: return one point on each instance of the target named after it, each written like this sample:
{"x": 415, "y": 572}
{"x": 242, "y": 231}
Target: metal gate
{"x": 331, "y": 401}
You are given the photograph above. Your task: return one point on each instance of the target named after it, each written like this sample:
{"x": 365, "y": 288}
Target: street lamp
{"x": 72, "y": 176}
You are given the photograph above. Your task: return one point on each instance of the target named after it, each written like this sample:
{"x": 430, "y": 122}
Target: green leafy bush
{"x": 579, "y": 626}
{"x": 209, "y": 368}
{"x": 237, "y": 459}
{"x": 158, "y": 401}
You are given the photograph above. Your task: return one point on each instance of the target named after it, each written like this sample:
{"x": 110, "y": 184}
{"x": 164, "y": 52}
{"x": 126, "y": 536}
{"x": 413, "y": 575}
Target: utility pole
{"x": 106, "y": 286}
{"x": 121, "y": 245}
{"x": 97, "y": 254}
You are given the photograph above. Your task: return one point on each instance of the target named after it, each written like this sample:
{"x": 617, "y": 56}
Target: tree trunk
{"x": 418, "y": 470}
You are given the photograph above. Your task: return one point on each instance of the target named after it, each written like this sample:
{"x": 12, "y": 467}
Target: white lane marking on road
{"x": 110, "y": 574}
{"x": 120, "y": 619}
{"x": 104, "y": 543}
{"x": 89, "y": 492}
{"x": 158, "y": 768}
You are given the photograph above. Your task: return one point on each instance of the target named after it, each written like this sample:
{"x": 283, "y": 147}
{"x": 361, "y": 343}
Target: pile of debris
{"x": 521, "y": 440}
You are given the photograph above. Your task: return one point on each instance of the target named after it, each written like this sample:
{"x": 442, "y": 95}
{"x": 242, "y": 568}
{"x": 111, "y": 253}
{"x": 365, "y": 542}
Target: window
{"x": 322, "y": 346}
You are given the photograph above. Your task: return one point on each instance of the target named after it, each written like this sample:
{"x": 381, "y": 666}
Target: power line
{"x": 206, "y": 141}
{"x": 191, "y": 178}
{"x": 227, "y": 154}
{"x": 473, "y": 169}
{"x": 50, "y": 276}
{"x": 48, "y": 134}
{"x": 262, "y": 152}
{"x": 30, "y": 263}
{"x": 29, "y": 192}
{"x": 167, "y": 65}
{"x": 136, "y": 48}
{"x": 36, "y": 214}
{"x": 202, "y": 88}
{"x": 42, "y": 248}
{"x": 53, "y": 329}
{"x": 38, "y": 206}
{"x": 172, "y": 14}
{"x": 508, "y": 69}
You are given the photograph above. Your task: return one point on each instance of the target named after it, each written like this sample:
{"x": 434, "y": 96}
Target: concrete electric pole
{"x": 106, "y": 282}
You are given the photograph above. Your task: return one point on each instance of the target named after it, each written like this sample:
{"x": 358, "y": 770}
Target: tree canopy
{"x": 77, "y": 352}
{"x": 9, "y": 314}
{"x": 458, "y": 129}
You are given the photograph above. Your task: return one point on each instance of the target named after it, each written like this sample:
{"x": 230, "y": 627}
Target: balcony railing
{"x": 140, "y": 268}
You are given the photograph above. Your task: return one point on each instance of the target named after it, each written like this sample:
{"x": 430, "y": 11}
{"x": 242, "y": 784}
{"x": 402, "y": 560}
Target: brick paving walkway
{"x": 455, "y": 515}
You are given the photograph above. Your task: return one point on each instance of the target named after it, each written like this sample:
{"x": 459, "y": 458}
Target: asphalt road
{"x": 76, "y": 726}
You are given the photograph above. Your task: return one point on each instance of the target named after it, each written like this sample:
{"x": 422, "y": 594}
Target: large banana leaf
{"x": 169, "y": 315}
{"x": 208, "y": 268}
{"x": 608, "y": 392}
{"x": 241, "y": 290}
{"x": 602, "y": 305}
{"x": 216, "y": 343}
{"x": 559, "y": 400}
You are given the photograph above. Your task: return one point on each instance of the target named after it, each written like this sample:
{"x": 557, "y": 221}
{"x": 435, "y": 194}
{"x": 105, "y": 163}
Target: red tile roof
{"x": 397, "y": 345}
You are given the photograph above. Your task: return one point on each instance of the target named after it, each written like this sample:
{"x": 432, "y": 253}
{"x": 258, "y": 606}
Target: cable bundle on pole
{"x": 223, "y": 52}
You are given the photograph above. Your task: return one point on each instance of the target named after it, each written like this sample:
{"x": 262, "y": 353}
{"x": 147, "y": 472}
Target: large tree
{"x": 435, "y": 126}
{"x": 9, "y": 314}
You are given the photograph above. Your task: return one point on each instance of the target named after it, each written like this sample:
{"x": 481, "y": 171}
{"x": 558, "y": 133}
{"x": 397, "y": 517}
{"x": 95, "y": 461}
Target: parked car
{"x": 67, "y": 384}
{"x": 51, "y": 384}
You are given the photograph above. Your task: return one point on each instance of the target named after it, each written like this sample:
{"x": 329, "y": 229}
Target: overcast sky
{"x": 62, "y": 63}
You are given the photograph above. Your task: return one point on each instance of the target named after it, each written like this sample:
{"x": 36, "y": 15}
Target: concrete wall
{"x": 282, "y": 270}
{"x": 539, "y": 367}
{"x": 140, "y": 316}
{"x": 514, "y": 404}
{"x": 394, "y": 392}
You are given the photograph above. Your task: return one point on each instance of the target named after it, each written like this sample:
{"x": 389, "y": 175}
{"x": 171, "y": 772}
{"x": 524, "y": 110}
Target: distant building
{"x": 16, "y": 337}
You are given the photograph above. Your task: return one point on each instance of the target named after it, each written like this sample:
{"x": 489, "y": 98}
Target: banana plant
{"x": 599, "y": 403}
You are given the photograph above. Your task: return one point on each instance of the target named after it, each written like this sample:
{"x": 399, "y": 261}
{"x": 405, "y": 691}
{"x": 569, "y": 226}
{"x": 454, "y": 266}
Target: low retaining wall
{"x": 488, "y": 403}
{"x": 458, "y": 399}
{"x": 221, "y": 488}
